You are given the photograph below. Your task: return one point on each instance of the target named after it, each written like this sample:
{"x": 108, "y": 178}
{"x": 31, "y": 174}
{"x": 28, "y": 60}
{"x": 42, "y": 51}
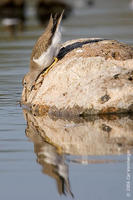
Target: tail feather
{"x": 56, "y": 22}
{"x": 60, "y": 18}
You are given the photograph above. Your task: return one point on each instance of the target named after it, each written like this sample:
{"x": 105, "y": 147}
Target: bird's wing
{"x": 46, "y": 38}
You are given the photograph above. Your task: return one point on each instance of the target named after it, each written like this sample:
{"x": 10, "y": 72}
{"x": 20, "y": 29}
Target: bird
{"x": 45, "y": 51}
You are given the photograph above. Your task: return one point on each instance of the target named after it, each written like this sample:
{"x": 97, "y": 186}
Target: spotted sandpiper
{"x": 44, "y": 51}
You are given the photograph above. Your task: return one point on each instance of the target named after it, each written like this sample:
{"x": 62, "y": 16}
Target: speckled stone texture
{"x": 92, "y": 76}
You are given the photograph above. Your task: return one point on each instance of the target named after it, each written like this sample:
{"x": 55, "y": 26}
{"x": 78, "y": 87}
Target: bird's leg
{"x": 39, "y": 81}
{"x": 47, "y": 70}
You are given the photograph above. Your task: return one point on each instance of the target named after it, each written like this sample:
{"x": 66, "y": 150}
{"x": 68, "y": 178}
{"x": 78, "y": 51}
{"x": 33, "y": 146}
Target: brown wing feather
{"x": 40, "y": 46}
{"x": 42, "y": 43}
{"x": 46, "y": 38}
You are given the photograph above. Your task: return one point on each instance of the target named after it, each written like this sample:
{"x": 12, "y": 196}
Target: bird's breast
{"x": 45, "y": 59}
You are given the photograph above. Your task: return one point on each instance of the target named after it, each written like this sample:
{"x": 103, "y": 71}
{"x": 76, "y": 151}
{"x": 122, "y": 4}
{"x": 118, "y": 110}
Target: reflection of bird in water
{"x": 12, "y": 14}
{"x": 54, "y": 165}
{"x": 46, "y": 7}
{"x": 44, "y": 52}
{"x": 52, "y": 162}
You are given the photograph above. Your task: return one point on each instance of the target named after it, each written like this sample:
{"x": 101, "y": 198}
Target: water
{"x": 31, "y": 168}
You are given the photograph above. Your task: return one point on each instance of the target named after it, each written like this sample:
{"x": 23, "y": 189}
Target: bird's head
{"x": 28, "y": 81}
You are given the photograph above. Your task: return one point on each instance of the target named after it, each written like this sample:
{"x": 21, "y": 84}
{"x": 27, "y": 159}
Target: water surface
{"x": 32, "y": 167}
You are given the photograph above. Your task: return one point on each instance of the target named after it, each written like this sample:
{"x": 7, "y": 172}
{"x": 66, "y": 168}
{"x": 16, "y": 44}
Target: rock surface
{"x": 92, "y": 76}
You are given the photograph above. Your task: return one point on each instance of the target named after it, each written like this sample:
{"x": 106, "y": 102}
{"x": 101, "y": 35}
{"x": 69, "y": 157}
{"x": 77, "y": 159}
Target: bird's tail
{"x": 56, "y": 20}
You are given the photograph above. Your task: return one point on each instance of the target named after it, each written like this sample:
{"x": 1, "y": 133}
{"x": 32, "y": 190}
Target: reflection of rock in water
{"x": 53, "y": 164}
{"x": 95, "y": 135}
{"x": 12, "y": 14}
{"x": 46, "y": 7}
{"x": 103, "y": 135}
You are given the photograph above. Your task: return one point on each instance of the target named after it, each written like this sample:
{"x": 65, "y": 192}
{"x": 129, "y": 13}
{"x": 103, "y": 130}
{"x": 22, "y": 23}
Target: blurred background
{"x": 21, "y": 23}
{"x": 82, "y": 18}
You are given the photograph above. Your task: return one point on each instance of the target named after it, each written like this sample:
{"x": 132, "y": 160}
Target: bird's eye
{"x": 24, "y": 82}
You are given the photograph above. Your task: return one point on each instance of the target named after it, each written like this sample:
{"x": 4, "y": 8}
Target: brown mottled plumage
{"x": 44, "y": 51}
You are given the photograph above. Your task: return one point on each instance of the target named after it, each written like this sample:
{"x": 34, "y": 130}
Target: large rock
{"x": 92, "y": 76}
